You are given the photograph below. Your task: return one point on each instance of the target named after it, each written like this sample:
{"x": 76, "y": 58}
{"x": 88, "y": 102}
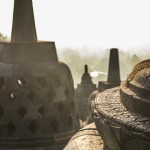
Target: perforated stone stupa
{"x": 36, "y": 91}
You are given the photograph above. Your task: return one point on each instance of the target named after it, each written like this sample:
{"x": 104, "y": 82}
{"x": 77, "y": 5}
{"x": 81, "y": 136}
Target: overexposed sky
{"x": 76, "y": 23}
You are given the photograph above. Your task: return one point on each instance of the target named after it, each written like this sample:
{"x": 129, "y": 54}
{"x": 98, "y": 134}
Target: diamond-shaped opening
{"x": 34, "y": 127}
{"x": 2, "y": 82}
{"x": 51, "y": 95}
{"x": 42, "y": 110}
{"x": 22, "y": 112}
{"x": 31, "y": 96}
{"x": 21, "y": 81}
{"x": 12, "y": 96}
{"x": 10, "y": 129}
{"x": 70, "y": 121}
{"x": 1, "y": 111}
{"x": 61, "y": 107}
{"x": 41, "y": 81}
{"x": 55, "y": 125}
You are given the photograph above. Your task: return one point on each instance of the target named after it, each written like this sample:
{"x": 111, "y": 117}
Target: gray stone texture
{"x": 119, "y": 127}
{"x": 36, "y": 91}
{"x": 87, "y": 138}
{"x": 122, "y": 115}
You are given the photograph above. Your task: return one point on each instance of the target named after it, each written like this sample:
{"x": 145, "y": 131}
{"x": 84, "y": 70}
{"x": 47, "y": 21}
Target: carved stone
{"x": 36, "y": 91}
{"x": 122, "y": 115}
{"x": 119, "y": 127}
{"x": 87, "y": 138}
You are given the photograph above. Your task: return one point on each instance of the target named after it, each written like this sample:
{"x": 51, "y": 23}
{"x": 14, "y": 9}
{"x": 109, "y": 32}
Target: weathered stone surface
{"x": 87, "y": 138}
{"x": 135, "y": 92}
{"x": 118, "y": 137}
{"x": 36, "y": 91}
{"x": 108, "y": 104}
{"x": 122, "y": 114}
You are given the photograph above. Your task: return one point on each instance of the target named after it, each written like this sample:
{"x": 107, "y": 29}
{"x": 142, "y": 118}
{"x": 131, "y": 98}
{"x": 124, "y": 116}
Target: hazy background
{"x": 98, "y": 61}
{"x": 85, "y": 30}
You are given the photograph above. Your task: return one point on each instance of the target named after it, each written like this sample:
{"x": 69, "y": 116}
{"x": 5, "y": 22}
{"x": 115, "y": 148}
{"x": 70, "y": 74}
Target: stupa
{"x": 121, "y": 116}
{"x": 82, "y": 93}
{"x": 36, "y": 91}
{"x": 113, "y": 78}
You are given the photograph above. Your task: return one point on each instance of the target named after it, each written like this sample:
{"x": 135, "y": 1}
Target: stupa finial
{"x": 86, "y": 69}
{"x": 23, "y": 28}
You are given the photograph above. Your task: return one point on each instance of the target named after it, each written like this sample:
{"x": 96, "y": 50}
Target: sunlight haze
{"x": 92, "y": 23}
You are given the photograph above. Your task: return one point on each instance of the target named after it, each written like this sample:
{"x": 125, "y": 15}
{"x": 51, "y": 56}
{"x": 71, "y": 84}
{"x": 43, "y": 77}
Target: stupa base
{"x": 54, "y": 142}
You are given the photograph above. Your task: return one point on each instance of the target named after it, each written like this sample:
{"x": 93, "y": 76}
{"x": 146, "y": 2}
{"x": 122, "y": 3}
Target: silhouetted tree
{"x": 3, "y": 37}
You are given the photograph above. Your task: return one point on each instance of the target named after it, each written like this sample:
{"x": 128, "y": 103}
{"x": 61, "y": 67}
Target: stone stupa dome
{"x": 135, "y": 91}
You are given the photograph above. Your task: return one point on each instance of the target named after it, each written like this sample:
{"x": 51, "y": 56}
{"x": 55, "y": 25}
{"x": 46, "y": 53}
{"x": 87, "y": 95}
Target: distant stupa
{"x": 82, "y": 93}
{"x": 113, "y": 78}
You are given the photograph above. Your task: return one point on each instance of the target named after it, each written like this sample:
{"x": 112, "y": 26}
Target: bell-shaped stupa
{"x": 36, "y": 91}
